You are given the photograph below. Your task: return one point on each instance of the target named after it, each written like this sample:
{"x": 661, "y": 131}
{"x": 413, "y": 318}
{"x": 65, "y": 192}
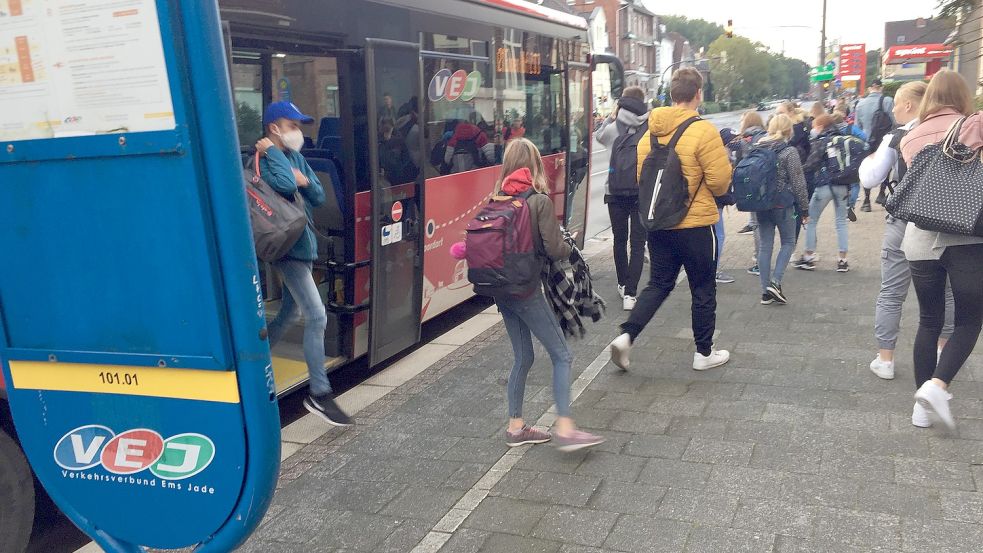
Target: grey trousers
{"x": 895, "y": 282}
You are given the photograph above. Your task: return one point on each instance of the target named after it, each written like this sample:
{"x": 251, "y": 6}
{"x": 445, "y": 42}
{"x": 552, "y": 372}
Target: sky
{"x": 851, "y": 21}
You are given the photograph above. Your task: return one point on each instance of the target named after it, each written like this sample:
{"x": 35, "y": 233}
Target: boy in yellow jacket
{"x": 693, "y": 243}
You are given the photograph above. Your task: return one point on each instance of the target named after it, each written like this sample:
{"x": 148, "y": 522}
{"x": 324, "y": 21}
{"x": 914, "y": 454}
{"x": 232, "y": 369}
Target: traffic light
{"x": 826, "y": 85}
{"x": 729, "y": 29}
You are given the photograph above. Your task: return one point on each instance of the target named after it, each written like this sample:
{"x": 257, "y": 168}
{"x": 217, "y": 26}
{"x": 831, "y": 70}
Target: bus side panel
{"x": 451, "y": 202}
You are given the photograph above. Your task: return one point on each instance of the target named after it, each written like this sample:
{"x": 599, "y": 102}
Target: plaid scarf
{"x": 572, "y": 298}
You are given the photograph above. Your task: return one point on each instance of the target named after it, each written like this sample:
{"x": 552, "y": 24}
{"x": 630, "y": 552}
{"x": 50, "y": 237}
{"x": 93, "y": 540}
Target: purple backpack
{"x": 501, "y": 256}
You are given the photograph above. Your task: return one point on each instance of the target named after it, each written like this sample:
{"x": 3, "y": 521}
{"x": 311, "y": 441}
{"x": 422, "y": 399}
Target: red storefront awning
{"x": 916, "y": 53}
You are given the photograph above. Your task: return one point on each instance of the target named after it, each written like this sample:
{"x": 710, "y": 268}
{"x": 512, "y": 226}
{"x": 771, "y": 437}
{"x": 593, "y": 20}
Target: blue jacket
{"x": 868, "y": 106}
{"x": 276, "y": 168}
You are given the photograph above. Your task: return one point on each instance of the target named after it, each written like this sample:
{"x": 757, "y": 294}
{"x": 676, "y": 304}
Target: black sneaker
{"x": 842, "y": 266}
{"x": 754, "y": 270}
{"x": 865, "y": 207}
{"x": 881, "y": 198}
{"x": 766, "y": 299}
{"x": 748, "y": 229}
{"x": 805, "y": 264}
{"x": 851, "y": 214}
{"x": 777, "y": 294}
{"x": 325, "y": 407}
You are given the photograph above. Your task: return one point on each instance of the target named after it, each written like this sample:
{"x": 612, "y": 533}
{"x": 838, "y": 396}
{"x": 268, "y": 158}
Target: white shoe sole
{"x": 713, "y": 366}
{"x": 315, "y": 411}
{"x": 577, "y": 447}
{"x": 524, "y": 442}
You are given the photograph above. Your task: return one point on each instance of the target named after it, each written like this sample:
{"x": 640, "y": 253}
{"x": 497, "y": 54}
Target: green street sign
{"x": 820, "y": 74}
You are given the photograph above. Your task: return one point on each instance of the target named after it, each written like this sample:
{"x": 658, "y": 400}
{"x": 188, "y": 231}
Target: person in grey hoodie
{"x": 620, "y": 133}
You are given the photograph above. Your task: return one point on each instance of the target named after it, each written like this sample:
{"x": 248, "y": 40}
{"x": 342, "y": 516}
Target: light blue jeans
{"x": 524, "y": 318}
{"x": 720, "y": 235}
{"x": 300, "y": 295}
{"x": 854, "y": 194}
{"x": 784, "y": 220}
{"x": 839, "y": 195}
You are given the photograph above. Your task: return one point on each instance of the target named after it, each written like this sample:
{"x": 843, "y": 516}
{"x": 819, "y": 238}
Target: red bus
{"x": 413, "y": 101}
{"x": 388, "y": 83}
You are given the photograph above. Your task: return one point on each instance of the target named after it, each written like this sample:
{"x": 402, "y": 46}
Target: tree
{"x": 700, "y": 32}
{"x": 746, "y": 75}
{"x": 954, "y": 8}
{"x": 873, "y": 64}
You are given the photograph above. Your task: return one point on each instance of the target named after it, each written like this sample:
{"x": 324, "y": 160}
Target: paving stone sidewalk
{"x": 794, "y": 446}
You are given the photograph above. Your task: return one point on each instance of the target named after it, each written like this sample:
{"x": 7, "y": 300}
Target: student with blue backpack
{"x": 769, "y": 182}
{"x": 620, "y": 134}
{"x": 833, "y": 164}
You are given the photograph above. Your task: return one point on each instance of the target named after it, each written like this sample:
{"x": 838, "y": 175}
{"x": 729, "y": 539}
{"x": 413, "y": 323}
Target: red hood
{"x": 467, "y": 131}
{"x": 518, "y": 182}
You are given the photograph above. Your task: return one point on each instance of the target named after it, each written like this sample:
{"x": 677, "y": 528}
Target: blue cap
{"x": 285, "y": 110}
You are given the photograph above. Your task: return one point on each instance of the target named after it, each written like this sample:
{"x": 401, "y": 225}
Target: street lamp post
{"x": 822, "y": 52}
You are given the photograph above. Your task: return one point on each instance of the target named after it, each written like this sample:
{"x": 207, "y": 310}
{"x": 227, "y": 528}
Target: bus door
{"x": 578, "y": 102}
{"x": 394, "y": 88}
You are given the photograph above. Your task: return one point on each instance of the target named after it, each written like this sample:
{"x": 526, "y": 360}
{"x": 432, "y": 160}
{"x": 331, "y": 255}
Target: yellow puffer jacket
{"x": 702, "y": 155}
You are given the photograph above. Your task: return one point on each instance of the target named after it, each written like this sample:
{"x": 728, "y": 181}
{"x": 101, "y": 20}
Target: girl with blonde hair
{"x": 791, "y": 193}
{"x": 523, "y": 175}
{"x": 937, "y": 257}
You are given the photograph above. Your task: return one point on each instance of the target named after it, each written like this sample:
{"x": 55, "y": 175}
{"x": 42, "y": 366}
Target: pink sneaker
{"x": 526, "y": 436}
{"x": 578, "y": 439}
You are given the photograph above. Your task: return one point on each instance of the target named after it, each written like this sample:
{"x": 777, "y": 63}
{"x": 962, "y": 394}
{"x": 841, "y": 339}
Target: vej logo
{"x": 176, "y": 458}
{"x": 459, "y": 85}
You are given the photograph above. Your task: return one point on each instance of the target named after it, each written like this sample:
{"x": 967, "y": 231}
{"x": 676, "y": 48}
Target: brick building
{"x": 633, "y": 36}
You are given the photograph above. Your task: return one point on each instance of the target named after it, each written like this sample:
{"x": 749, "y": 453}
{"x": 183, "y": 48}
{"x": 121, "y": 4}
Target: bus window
{"x": 311, "y": 83}
{"x": 530, "y": 90}
{"x": 247, "y": 89}
{"x": 460, "y": 115}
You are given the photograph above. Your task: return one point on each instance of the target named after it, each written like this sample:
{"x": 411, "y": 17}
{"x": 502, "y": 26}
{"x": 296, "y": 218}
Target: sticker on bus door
{"x": 392, "y": 234}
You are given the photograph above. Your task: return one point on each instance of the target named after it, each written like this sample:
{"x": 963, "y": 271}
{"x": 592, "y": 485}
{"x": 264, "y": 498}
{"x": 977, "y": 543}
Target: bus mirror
{"x": 616, "y": 72}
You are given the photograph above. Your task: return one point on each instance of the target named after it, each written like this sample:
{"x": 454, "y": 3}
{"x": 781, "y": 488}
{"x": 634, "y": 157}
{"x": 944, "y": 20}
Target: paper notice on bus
{"x": 71, "y": 68}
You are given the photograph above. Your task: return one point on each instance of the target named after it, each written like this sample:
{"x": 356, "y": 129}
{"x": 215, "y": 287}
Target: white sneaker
{"x": 883, "y": 369}
{"x": 628, "y": 303}
{"x": 935, "y": 401}
{"x": 920, "y": 418}
{"x": 621, "y": 290}
{"x": 715, "y": 359}
{"x": 620, "y": 351}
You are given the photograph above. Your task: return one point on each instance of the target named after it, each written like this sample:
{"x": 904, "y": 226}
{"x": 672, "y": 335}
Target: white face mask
{"x": 293, "y": 140}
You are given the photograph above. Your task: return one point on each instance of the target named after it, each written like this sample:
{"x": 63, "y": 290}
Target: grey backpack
{"x": 276, "y": 221}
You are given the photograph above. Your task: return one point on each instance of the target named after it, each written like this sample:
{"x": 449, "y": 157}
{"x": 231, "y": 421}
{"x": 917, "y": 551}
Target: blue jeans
{"x": 785, "y": 221}
{"x": 300, "y": 295}
{"x": 720, "y": 235}
{"x": 523, "y": 318}
{"x": 839, "y": 195}
{"x": 854, "y": 194}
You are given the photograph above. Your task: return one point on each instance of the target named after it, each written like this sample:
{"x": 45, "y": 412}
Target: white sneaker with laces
{"x": 621, "y": 351}
{"x": 715, "y": 359}
{"x": 883, "y": 369}
{"x": 629, "y": 303}
{"x": 935, "y": 401}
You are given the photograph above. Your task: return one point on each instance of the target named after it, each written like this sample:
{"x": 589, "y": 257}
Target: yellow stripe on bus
{"x": 196, "y": 384}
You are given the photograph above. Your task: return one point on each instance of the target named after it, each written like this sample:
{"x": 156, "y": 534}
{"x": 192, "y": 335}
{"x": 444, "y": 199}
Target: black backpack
{"x": 899, "y": 134}
{"x": 880, "y": 125}
{"x": 663, "y": 191}
{"x": 623, "y": 171}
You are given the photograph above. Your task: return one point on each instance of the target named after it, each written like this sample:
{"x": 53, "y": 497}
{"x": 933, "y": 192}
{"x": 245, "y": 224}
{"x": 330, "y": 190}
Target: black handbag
{"x": 943, "y": 188}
